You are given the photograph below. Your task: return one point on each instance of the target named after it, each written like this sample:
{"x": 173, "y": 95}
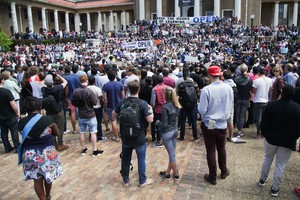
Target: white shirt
{"x": 98, "y": 93}
{"x": 262, "y": 86}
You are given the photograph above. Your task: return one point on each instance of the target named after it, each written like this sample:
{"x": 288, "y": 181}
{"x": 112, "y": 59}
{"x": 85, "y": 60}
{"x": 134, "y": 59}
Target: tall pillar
{"x": 56, "y": 25}
{"x": 217, "y": 8}
{"x": 99, "y": 21}
{"x": 197, "y": 8}
{"x": 88, "y": 21}
{"x": 177, "y": 9}
{"x": 200, "y": 7}
{"x": 141, "y": 9}
{"x": 44, "y": 23}
{"x": 14, "y": 17}
{"x": 77, "y": 21}
{"x": 276, "y": 13}
{"x": 295, "y": 13}
{"x": 237, "y": 9}
{"x": 159, "y": 8}
{"x": 20, "y": 18}
{"x": 111, "y": 21}
{"x": 67, "y": 21}
{"x": 30, "y": 21}
{"x": 106, "y": 18}
{"x": 123, "y": 18}
{"x": 118, "y": 22}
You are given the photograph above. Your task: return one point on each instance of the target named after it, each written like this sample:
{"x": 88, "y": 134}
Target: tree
{"x": 5, "y": 42}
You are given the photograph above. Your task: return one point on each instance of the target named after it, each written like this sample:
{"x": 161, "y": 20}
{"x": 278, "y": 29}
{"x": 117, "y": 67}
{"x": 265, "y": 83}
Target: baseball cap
{"x": 49, "y": 80}
{"x": 214, "y": 71}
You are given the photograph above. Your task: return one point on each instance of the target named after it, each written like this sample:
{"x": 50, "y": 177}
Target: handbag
{"x": 25, "y": 132}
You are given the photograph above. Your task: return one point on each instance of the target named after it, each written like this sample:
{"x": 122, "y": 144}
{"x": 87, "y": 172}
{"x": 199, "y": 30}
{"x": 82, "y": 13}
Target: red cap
{"x": 214, "y": 71}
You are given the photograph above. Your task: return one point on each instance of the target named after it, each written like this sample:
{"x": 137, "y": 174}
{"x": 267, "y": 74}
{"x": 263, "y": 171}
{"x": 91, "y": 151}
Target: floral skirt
{"x": 38, "y": 163}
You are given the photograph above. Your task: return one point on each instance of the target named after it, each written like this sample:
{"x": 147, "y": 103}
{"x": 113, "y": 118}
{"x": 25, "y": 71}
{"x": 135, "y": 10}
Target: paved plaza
{"x": 87, "y": 177}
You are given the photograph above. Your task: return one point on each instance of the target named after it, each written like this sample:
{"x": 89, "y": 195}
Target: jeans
{"x": 213, "y": 139}
{"x": 12, "y": 125}
{"x": 91, "y": 124}
{"x": 59, "y": 120}
{"x": 99, "y": 115}
{"x": 169, "y": 139}
{"x": 64, "y": 108}
{"x": 282, "y": 157}
{"x": 154, "y": 131}
{"x": 258, "y": 109}
{"x": 126, "y": 158}
{"x": 240, "y": 112}
{"x": 192, "y": 115}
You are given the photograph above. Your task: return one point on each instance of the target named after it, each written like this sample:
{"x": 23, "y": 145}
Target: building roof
{"x": 79, "y": 4}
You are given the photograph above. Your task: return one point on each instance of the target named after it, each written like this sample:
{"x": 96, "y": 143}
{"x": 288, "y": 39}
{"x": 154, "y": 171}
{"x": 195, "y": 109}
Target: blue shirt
{"x": 216, "y": 102}
{"x": 73, "y": 83}
{"x": 113, "y": 90}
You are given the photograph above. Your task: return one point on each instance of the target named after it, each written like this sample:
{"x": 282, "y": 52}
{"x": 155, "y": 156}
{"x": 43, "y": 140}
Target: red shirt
{"x": 160, "y": 98}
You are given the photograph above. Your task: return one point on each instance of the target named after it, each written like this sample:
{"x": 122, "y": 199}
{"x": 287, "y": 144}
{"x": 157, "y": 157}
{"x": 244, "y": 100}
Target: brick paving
{"x": 87, "y": 177}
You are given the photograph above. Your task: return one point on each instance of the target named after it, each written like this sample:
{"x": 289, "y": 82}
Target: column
{"x": 123, "y": 18}
{"x": 177, "y": 9}
{"x": 88, "y": 21}
{"x": 14, "y": 17}
{"x": 56, "y": 25}
{"x": 119, "y": 20}
{"x": 67, "y": 21}
{"x": 237, "y": 9}
{"x": 295, "y": 13}
{"x": 217, "y": 8}
{"x": 30, "y": 21}
{"x": 197, "y": 8}
{"x": 142, "y": 9}
{"x": 200, "y": 7}
{"x": 276, "y": 13}
{"x": 99, "y": 21}
{"x": 159, "y": 8}
{"x": 44, "y": 23}
{"x": 111, "y": 21}
{"x": 106, "y": 20}
{"x": 77, "y": 21}
{"x": 20, "y": 18}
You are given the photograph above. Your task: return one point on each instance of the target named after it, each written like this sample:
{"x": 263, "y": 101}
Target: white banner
{"x": 144, "y": 44}
{"x": 185, "y": 20}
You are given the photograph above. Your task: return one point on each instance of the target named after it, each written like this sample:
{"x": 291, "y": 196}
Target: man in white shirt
{"x": 260, "y": 89}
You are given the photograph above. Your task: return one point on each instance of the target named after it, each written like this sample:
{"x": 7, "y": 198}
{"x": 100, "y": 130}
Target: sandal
{"x": 228, "y": 139}
{"x": 115, "y": 139}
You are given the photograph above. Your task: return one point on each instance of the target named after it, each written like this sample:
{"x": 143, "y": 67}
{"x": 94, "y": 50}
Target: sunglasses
{"x": 276, "y": 71}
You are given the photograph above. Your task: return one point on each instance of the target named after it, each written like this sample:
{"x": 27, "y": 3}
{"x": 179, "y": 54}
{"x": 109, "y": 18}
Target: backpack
{"x": 50, "y": 105}
{"x": 77, "y": 99}
{"x": 187, "y": 94}
{"x": 235, "y": 93}
{"x": 130, "y": 119}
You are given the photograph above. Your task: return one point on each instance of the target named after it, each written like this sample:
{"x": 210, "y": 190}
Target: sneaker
{"x": 9, "y": 150}
{"x": 67, "y": 131}
{"x": 164, "y": 175}
{"x": 223, "y": 176}
{"x": 297, "y": 191}
{"x": 180, "y": 139}
{"x": 262, "y": 182}
{"x": 62, "y": 147}
{"x": 274, "y": 192}
{"x": 83, "y": 151}
{"x": 196, "y": 139}
{"x": 125, "y": 184}
{"x": 102, "y": 139}
{"x": 97, "y": 152}
{"x": 149, "y": 181}
{"x": 176, "y": 176}
{"x": 157, "y": 144}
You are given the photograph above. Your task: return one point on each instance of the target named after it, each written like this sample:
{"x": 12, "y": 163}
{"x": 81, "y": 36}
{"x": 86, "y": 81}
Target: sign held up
{"x": 186, "y": 20}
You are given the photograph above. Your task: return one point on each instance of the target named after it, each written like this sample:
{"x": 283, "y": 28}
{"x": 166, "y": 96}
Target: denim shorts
{"x": 90, "y": 123}
{"x": 109, "y": 111}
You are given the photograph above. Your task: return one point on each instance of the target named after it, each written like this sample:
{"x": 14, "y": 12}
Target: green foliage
{"x": 5, "y": 42}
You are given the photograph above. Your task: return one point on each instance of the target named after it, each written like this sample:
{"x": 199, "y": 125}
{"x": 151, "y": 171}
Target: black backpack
{"x": 51, "y": 105}
{"x": 187, "y": 94}
{"x": 130, "y": 119}
{"x": 77, "y": 98}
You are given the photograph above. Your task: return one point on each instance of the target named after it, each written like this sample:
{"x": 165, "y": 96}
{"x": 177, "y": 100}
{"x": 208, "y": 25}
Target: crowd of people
{"x": 221, "y": 73}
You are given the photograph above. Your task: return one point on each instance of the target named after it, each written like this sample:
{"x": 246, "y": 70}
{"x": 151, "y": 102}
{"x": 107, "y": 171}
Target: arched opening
{"x": 27, "y": 29}
{"x": 41, "y": 30}
{"x": 190, "y": 12}
{"x": 11, "y": 30}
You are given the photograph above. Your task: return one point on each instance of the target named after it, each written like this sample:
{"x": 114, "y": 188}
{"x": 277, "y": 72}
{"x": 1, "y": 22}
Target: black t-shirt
{"x": 6, "y": 111}
{"x": 144, "y": 110}
{"x": 56, "y": 91}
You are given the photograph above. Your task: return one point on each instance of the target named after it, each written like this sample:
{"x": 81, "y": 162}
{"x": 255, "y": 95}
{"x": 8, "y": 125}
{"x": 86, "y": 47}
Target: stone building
{"x": 107, "y": 15}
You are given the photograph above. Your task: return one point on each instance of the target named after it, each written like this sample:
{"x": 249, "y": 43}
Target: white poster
{"x": 144, "y": 44}
{"x": 186, "y": 20}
